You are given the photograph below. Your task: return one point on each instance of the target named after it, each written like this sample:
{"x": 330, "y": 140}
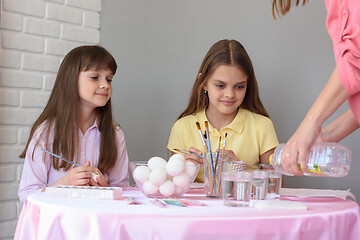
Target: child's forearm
{"x": 264, "y": 158}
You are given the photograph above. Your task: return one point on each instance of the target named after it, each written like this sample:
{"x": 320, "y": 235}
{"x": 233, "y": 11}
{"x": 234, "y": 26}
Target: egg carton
{"x": 86, "y": 192}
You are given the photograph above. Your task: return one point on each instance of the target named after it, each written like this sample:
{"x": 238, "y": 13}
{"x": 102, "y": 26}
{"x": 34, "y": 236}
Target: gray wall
{"x": 159, "y": 46}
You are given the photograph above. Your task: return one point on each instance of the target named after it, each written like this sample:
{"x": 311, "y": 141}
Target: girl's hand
{"x": 78, "y": 176}
{"x": 231, "y": 155}
{"x": 193, "y": 157}
{"x": 100, "y": 180}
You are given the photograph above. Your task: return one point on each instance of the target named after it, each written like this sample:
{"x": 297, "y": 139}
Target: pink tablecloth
{"x": 56, "y": 218}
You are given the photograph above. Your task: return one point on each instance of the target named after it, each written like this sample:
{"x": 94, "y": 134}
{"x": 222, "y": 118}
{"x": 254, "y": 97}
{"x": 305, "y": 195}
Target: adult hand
{"x": 193, "y": 157}
{"x": 323, "y": 137}
{"x": 298, "y": 147}
{"x": 339, "y": 128}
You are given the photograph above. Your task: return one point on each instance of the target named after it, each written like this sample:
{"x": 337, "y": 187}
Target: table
{"x": 64, "y": 218}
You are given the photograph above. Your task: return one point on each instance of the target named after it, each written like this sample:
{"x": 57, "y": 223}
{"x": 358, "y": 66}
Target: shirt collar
{"x": 236, "y": 125}
{"x": 95, "y": 125}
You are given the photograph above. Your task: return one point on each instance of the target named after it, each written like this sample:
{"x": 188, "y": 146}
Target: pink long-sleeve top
{"x": 39, "y": 173}
{"x": 343, "y": 25}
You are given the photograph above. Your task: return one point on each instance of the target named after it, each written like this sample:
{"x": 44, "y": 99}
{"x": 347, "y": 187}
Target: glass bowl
{"x": 152, "y": 184}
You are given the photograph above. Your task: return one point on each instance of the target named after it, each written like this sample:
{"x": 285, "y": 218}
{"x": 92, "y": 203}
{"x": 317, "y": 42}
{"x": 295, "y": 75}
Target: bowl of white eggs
{"x": 158, "y": 178}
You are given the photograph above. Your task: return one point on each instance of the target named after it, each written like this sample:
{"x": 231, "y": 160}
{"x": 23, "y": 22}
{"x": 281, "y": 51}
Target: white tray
{"x": 88, "y": 192}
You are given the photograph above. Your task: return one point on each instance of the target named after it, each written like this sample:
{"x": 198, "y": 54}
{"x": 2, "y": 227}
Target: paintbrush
{"x": 201, "y": 135}
{"x": 94, "y": 175}
{"x": 208, "y": 139}
{"x": 64, "y": 159}
{"x": 224, "y": 144}
{"x": 211, "y": 162}
{"x": 208, "y": 169}
{"x": 216, "y": 163}
{"x": 217, "y": 154}
{"x": 178, "y": 150}
{"x": 221, "y": 160}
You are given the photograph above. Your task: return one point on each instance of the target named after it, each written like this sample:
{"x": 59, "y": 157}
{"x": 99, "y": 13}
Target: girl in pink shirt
{"x": 343, "y": 25}
{"x": 77, "y": 124}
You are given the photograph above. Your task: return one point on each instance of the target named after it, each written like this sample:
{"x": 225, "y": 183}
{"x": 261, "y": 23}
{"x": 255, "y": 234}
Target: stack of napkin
{"x": 304, "y": 193}
{"x": 301, "y": 193}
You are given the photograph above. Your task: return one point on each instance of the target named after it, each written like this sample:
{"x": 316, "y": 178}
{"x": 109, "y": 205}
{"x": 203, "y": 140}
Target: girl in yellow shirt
{"x": 225, "y": 94}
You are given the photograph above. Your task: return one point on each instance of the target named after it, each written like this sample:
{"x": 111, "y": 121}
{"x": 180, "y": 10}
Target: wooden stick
{"x": 210, "y": 178}
{"x": 218, "y": 176}
{"x": 221, "y": 159}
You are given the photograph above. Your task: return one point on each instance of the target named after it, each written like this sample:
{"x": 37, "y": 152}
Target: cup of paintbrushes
{"x": 212, "y": 173}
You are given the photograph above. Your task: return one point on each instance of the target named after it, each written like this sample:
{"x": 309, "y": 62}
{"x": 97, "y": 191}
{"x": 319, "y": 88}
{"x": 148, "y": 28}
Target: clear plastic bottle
{"x": 325, "y": 159}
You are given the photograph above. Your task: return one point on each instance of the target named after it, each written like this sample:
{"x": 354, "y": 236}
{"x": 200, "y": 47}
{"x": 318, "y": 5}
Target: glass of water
{"x": 274, "y": 185}
{"x": 260, "y": 181}
{"x": 236, "y": 188}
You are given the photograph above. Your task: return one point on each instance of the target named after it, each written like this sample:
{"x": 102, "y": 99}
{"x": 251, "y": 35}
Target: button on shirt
{"x": 37, "y": 173}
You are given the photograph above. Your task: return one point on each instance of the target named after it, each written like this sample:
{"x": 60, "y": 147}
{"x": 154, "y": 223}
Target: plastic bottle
{"x": 325, "y": 159}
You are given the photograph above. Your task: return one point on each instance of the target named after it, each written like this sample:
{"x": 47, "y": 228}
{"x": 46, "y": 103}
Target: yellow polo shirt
{"x": 249, "y": 136}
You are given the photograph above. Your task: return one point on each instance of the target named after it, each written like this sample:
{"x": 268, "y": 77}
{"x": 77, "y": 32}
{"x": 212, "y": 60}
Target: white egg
{"x": 175, "y": 166}
{"x": 190, "y": 169}
{"x": 167, "y": 188}
{"x": 176, "y": 156}
{"x": 158, "y": 176}
{"x": 179, "y": 190}
{"x": 156, "y": 162}
{"x": 141, "y": 173}
{"x": 149, "y": 188}
{"x": 181, "y": 180}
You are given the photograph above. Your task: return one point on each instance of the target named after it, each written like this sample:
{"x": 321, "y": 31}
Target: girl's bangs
{"x": 99, "y": 60}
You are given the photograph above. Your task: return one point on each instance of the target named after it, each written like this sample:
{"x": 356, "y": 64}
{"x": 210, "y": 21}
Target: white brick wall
{"x": 34, "y": 37}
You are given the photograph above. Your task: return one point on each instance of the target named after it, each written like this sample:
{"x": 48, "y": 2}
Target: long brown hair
{"x": 61, "y": 110}
{"x": 281, "y": 7}
{"x": 225, "y": 52}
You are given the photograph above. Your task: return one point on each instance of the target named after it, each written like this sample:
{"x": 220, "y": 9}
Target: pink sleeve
{"x": 343, "y": 24}
{"x": 35, "y": 172}
{"x": 118, "y": 176}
